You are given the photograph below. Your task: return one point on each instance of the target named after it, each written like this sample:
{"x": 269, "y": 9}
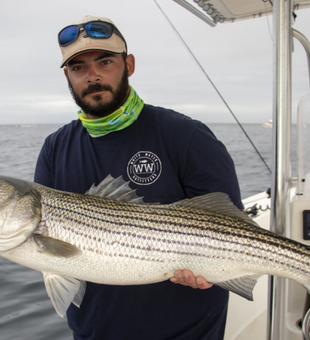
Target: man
{"x": 165, "y": 155}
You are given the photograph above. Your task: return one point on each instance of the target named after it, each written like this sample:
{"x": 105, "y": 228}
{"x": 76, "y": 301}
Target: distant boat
{"x": 267, "y": 124}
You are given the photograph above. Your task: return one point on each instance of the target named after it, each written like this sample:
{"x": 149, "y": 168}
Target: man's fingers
{"x": 186, "y": 277}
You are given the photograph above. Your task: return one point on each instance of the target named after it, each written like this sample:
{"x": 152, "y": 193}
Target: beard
{"x": 102, "y": 108}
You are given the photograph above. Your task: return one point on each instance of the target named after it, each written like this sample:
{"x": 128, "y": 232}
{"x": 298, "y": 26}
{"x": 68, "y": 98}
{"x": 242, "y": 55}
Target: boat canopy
{"x": 225, "y": 11}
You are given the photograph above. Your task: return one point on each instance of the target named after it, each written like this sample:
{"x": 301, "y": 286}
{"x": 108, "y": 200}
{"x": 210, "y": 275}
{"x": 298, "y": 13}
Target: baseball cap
{"x": 84, "y": 39}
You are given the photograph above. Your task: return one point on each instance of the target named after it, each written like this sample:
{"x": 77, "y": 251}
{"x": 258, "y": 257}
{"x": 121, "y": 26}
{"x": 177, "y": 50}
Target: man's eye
{"x": 76, "y": 68}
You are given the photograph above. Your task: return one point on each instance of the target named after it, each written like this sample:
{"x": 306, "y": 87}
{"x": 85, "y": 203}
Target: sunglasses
{"x": 92, "y": 29}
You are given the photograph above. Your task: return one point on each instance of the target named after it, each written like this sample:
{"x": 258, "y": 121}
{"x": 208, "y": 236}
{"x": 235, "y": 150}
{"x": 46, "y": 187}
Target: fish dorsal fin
{"x": 62, "y": 291}
{"x": 217, "y": 202}
{"x": 116, "y": 189}
{"x": 242, "y": 286}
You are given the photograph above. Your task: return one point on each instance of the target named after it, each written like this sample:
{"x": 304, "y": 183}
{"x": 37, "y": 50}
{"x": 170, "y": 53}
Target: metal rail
{"x": 305, "y": 43}
{"x": 306, "y": 326}
{"x": 282, "y": 46}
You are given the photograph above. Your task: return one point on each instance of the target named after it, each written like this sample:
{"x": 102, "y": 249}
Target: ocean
{"x": 25, "y": 310}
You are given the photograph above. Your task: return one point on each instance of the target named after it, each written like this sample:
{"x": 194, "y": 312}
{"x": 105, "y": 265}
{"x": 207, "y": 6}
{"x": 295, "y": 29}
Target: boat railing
{"x": 303, "y": 120}
{"x": 305, "y": 43}
{"x": 306, "y": 326}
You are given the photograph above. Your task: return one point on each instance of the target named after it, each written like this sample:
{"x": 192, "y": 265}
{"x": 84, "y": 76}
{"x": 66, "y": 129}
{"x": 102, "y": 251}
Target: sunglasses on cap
{"x": 93, "y": 29}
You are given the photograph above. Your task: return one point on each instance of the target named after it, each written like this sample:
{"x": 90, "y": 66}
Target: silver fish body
{"x": 115, "y": 239}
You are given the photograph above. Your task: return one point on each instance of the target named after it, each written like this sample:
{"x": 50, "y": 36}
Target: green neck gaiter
{"x": 118, "y": 120}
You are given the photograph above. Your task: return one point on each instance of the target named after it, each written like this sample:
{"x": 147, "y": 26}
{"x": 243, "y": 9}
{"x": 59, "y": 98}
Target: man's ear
{"x": 130, "y": 62}
{"x": 66, "y": 72}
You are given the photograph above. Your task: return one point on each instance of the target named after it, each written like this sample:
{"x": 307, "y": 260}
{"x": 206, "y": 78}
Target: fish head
{"x": 20, "y": 212}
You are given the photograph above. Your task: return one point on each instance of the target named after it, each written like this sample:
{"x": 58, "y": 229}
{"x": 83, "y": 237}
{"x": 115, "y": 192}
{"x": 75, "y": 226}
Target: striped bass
{"x": 110, "y": 236}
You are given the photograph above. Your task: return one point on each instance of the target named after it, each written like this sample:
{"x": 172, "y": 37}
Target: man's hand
{"x": 186, "y": 277}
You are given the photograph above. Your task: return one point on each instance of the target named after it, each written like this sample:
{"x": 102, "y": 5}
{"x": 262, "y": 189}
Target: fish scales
{"x": 117, "y": 221}
{"x": 174, "y": 222}
{"x": 111, "y": 241}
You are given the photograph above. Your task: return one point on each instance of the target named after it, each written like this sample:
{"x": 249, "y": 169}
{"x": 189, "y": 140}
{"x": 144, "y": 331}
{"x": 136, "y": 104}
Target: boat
{"x": 268, "y": 124}
{"x": 280, "y": 310}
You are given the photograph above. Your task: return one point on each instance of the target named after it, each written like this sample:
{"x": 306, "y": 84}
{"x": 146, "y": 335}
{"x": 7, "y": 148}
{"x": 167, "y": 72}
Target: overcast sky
{"x": 237, "y": 57}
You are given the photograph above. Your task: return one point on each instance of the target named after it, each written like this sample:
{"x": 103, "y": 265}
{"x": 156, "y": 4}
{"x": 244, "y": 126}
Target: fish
{"x": 109, "y": 235}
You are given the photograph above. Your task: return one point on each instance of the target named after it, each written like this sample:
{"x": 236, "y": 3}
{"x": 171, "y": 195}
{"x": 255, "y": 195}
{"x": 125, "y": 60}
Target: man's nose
{"x": 93, "y": 75}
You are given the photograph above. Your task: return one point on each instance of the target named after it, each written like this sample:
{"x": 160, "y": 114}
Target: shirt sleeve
{"x": 209, "y": 167}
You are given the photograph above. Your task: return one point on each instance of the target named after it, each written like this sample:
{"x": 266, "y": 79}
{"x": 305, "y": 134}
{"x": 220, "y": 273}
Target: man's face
{"x": 98, "y": 81}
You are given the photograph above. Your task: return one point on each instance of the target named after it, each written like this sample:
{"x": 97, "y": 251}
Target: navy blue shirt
{"x": 167, "y": 157}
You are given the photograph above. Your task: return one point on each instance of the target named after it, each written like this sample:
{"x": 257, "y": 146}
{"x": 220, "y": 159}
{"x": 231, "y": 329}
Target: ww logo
{"x": 144, "y": 168}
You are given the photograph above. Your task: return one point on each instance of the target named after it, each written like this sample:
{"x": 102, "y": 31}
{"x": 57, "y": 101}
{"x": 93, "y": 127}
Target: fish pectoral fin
{"x": 62, "y": 291}
{"x": 55, "y": 247}
{"x": 242, "y": 286}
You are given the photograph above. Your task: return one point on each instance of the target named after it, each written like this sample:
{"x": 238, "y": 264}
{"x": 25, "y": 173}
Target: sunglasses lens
{"x": 68, "y": 35}
{"x": 97, "y": 29}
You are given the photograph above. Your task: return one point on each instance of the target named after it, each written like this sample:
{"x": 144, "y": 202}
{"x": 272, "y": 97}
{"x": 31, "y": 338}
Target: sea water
{"x": 25, "y": 310}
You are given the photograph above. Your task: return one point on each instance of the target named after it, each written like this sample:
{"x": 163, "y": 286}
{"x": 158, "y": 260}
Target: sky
{"x": 236, "y": 57}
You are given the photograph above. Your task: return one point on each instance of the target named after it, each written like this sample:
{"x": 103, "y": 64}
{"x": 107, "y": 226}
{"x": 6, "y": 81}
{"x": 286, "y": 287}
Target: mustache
{"x": 95, "y": 88}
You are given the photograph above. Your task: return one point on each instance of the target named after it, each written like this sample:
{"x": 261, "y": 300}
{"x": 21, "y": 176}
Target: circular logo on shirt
{"x": 144, "y": 168}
